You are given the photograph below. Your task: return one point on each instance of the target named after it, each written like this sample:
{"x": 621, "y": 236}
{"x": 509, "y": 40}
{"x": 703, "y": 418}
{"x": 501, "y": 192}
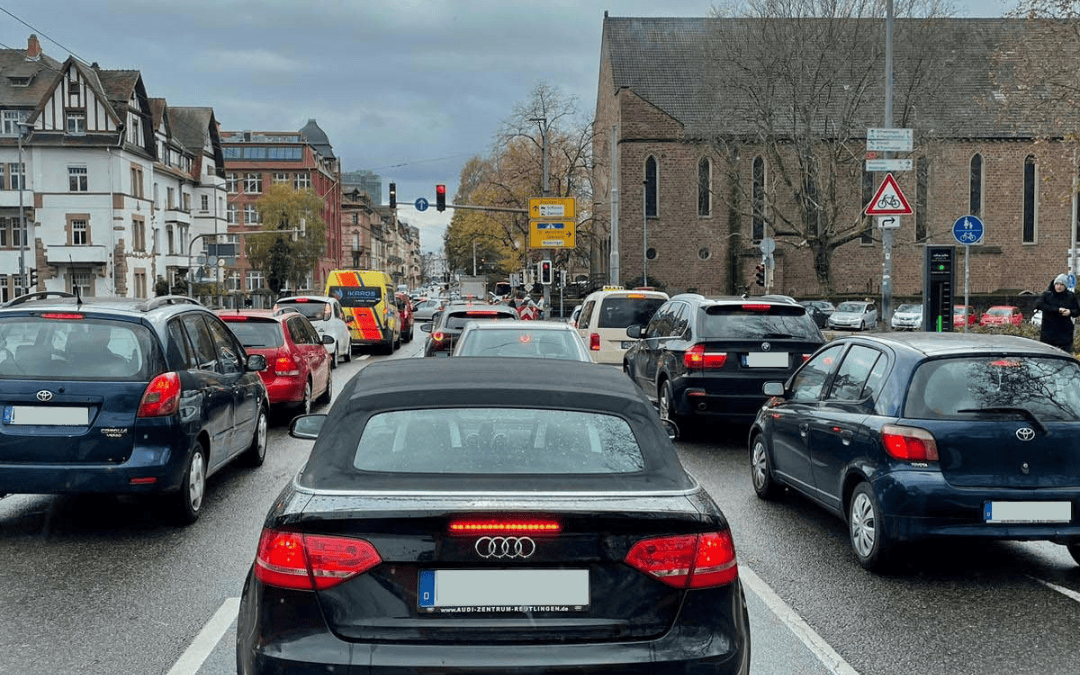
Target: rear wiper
{"x": 1023, "y": 412}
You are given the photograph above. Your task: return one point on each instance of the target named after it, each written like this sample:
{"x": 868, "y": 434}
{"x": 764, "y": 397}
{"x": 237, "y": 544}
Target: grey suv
{"x": 124, "y": 396}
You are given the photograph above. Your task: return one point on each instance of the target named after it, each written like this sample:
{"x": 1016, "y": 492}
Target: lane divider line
{"x": 204, "y": 643}
{"x": 1067, "y": 592}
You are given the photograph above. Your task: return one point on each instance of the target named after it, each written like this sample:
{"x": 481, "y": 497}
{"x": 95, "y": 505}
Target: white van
{"x": 606, "y": 314}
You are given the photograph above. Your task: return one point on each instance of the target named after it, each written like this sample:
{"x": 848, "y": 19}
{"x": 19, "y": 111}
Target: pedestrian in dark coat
{"x": 1058, "y": 306}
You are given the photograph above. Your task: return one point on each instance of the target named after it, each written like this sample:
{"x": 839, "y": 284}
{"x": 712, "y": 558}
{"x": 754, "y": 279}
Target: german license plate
{"x": 767, "y": 360}
{"x": 56, "y": 416}
{"x": 1027, "y": 512}
{"x": 504, "y": 590}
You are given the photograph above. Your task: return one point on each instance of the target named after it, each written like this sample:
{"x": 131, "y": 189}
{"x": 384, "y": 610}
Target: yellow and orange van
{"x": 367, "y": 298}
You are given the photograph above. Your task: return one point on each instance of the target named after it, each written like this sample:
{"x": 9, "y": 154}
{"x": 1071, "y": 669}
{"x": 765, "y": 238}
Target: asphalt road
{"x": 100, "y": 585}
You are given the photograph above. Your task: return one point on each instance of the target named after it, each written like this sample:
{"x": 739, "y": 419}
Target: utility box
{"x": 939, "y": 275}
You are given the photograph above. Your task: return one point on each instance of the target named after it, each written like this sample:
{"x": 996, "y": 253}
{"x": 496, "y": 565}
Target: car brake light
{"x": 311, "y": 562}
{"x": 286, "y": 366}
{"x": 64, "y": 316}
{"x": 806, "y": 357}
{"x": 232, "y": 317}
{"x": 687, "y": 561}
{"x": 594, "y": 342}
{"x": 476, "y": 312}
{"x": 756, "y": 307}
{"x": 162, "y": 396}
{"x": 696, "y": 358}
{"x": 438, "y": 336}
{"x": 300, "y": 300}
{"x": 504, "y": 526}
{"x": 909, "y": 444}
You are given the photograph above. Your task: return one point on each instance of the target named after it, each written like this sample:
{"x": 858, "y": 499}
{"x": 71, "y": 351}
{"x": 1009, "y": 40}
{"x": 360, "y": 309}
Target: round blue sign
{"x": 421, "y": 204}
{"x": 968, "y": 230}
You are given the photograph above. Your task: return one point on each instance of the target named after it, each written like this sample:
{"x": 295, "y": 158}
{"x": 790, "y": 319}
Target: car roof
{"x": 48, "y": 300}
{"x": 626, "y": 292}
{"x": 267, "y": 314}
{"x": 956, "y": 344}
{"x": 521, "y": 325}
{"x": 319, "y": 298}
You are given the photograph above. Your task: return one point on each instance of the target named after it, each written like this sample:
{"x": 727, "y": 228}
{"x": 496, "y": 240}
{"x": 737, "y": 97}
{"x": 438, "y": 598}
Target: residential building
{"x": 368, "y": 182}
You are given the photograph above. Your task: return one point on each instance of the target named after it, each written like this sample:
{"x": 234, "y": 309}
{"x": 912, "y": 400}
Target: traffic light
{"x": 393, "y": 195}
{"x": 440, "y": 197}
{"x": 33, "y": 277}
{"x": 759, "y": 274}
{"x": 545, "y": 272}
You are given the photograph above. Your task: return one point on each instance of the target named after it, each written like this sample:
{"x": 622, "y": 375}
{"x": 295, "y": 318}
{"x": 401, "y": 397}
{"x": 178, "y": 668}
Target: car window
{"x": 313, "y": 310}
{"x": 586, "y": 314}
{"x": 736, "y": 321}
{"x": 620, "y": 312}
{"x": 202, "y": 344}
{"x": 497, "y": 441}
{"x": 258, "y": 334}
{"x": 679, "y": 320}
{"x": 852, "y": 377}
{"x": 854, "y": 307}
{"x": 457, "y": 320}
{"x": 227, "y": 350}
{"x": 298, "y": 331}
{"x": 43, "y": 347}
{"x": 958, "y": 388}
{"x": 806, "y": 385}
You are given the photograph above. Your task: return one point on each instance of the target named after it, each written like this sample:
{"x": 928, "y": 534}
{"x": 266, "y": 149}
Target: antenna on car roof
{"x": 78, "y": 297}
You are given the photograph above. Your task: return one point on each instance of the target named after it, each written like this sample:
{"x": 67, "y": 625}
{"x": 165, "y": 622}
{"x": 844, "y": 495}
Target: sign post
{"x": 967, "y": 230}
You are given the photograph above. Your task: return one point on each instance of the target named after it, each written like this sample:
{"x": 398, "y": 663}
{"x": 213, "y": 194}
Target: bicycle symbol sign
{"x": 968, "y": 230}
{"x": 888, "y": 200}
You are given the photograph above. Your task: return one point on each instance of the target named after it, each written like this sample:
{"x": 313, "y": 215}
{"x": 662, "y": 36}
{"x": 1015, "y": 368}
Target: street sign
{"x": 968, "y": 230}
{"x": 1070, "y": 281}
{"x": 888, "y": 200}
{"x": 421, "y": 204}
{"x": 888, "y": 165}
{"x": 550, "y": 234}
{"x": 888, "y": 222}
{"x": 889, "y": 140}
{"x": 767, "y": 245}
{"x": 552, "y": 207}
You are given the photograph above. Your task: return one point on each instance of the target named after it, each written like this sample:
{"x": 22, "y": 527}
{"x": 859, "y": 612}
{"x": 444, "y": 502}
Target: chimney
{"x": 33, "y": 49}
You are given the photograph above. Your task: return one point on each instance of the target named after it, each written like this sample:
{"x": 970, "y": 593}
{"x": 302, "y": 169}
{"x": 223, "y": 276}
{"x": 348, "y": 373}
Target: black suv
{"x": 446, "y": 325}
{"x": 117, "y": 395}
{"x": 710, "y": 357}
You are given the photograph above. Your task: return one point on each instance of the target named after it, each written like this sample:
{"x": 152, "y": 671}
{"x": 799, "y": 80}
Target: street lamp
{"x": 23, "y": 281}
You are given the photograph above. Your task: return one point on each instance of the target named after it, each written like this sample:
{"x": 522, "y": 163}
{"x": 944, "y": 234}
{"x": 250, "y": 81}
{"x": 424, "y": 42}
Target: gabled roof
{"x": 158, "y": 106}
{"x": 672, "y": 63}
{"x": 190, "y": 127}
{"x": 317, "y": 138}
{"x": 118, "y": 85}
{"x": 44, "y": 73}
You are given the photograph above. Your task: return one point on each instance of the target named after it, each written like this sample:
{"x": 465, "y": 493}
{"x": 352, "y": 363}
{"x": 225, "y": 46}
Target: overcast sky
{"x": 409, "y": 89}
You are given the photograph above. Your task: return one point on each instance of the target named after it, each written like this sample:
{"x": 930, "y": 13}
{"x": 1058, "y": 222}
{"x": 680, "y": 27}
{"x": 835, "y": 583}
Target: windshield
{"x": 620, "y": 312}
{"x": 257, "y": 334}
{"x": 999, "y": 311}
{"x": 853, "y": 307}
{"x": 550, "y": 344}
{"x": 312, "y": 309}
{"x": 909, "y": 309}
{"x": 777, "y": 322}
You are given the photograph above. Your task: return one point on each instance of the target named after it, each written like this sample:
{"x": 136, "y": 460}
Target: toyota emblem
{"x": 44, "y": 395}
{"x": 765, "y": 346}
{"x": 505, "y": 547}
{"x": 1025, "y": 433}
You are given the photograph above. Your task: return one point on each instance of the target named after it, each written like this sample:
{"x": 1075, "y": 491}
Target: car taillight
{"x": 438, "y": 336}
{"x": 310, "y": 562}
{"x": 286, "y": 366}
{"x": 504, "y": 526}
{"x": 162, "y": 396}
{"x": 594, "y": 342}
{"x": 63, "y": 316}
{"x": 909, "y": 444}
{"x": 687, "y": 561}
{"x": 696, "y": 358}
{"x": 806, "y": 357}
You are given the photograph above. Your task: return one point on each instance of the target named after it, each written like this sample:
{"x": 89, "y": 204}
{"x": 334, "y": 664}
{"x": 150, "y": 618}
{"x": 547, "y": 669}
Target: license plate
{"x": 56, "y": 416}
{"x": 767, "y": 360}
{"x": 625, "y": 344}
{"x": 1027, "y": 512}
{"x": 504, "y": 590}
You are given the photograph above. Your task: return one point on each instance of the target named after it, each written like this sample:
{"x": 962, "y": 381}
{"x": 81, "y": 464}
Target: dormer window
{"x": 19, "y": 81}
{"x": 76, "y": 123}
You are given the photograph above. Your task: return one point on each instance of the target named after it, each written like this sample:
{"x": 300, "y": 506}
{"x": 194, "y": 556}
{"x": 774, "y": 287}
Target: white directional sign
{"x": 873, "y": 165}
{"x": 888, "y": 222}
{"x": 889, "y": 140}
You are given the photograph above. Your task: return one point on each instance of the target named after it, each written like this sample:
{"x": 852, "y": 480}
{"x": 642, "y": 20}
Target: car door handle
{"x": 804, "y": 429}
{"x": 844, "y": 434}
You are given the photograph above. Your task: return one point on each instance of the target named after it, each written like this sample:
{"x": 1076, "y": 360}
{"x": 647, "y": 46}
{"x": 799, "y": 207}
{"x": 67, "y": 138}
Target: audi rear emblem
{"x": 505, "y": 547}
{"x": 765, "y": 346}
{"x": 44, "y": 395}
{"x": 1025, "y": 433}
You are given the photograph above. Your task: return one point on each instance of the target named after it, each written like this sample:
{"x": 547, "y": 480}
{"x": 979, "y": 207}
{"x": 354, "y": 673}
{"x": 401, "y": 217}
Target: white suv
{"x": 326, "y": 316}
{"x": 606, "y": 314}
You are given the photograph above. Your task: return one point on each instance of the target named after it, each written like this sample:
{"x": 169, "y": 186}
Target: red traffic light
{"x": 440, "y": 197}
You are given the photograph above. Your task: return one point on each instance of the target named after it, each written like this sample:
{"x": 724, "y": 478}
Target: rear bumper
{"x": 283, "y": 391}
{"x": 166, "y": 464}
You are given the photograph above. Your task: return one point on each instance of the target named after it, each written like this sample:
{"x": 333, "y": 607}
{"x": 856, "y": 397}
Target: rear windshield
{"x": 76, "y": 348}
{"x": 312, "y": 309}
{"x": 356, "y": 296}
{"x": 620, "y": 312}
{"x": 497, "y": 441}
{"x": 547, "y": 344}
{"x": 457, "y": 320}
{"x": 1014, "y": 386}
{"x": 257, "y": 334}
{"x": 775, "y": 323}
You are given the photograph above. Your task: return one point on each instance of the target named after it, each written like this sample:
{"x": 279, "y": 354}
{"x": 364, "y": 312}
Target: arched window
{"x": 650, "y": 187}
{"x": 704, "y": 187}
{"x": 757, "y": 197}
{"x": 1030, "y": 201}
{"x": 975, "y": 196}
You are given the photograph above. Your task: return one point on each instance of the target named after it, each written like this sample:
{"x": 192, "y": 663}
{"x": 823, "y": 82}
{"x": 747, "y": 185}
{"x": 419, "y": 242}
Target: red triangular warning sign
{"x": 888, "y": 200}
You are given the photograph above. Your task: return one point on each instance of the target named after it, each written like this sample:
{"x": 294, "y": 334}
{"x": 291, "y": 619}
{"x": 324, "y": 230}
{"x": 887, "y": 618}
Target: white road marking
{"x": 191, "y": 660}
{"x": 814, "y": 642}
{"x": 1068, "y": 593}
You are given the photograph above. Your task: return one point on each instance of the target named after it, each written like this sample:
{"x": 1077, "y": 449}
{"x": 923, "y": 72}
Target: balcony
{"x": 76, "y": 255}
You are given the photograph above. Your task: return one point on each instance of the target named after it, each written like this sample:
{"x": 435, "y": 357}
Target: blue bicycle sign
{"x": 968, "y": 230}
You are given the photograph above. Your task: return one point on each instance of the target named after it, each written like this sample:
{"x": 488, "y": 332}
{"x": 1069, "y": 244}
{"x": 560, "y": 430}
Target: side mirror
{"x": 635, "y": 331}
{"x": 773, "y": 389}
{"x": 425, "y": 327}
{"x": 306, "y": 426}
{"x": 350, "y": 319}
{"x": 256, "y": 362}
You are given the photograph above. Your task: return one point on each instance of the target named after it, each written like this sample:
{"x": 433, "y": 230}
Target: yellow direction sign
{"x": 552, "y": 208}
{"x": 552, "y": 234}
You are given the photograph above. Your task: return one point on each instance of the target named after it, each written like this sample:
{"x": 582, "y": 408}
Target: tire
{"x": 255, "y": 455}
{"x": 186, "y": 505}
{"x": 408, "y": 337}
{"x": 862, "y": 325}
{"x": 666, "y": 400}
{"x": 333, "y": 359}
{"x": 324, "y": 398}
{"x": 348, "y": 354}
{"x": 304, "y": 406}
{"x": 1074, "y": 551}
{"x": 761, "y": 470}
{"x": 869, "y": 542}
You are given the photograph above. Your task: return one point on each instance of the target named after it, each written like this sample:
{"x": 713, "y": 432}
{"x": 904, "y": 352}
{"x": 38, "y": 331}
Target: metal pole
{"x": 474, "y": 258}
{"x": 644, "y": 233}
{"x": 967, "y": 272}
{"x": 22, "y": 220}
{"x": 886, "y": 234}
{"x": 543, "y": 123}
{"x": 614, "y": 254}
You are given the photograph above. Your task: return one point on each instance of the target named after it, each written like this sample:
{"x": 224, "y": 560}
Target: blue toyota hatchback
{"x": 124, "y": 396}
{"x": 922, "y": 435}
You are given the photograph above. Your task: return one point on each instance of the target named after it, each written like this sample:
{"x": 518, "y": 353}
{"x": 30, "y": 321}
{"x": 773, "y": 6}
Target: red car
{"x": 999, "y": 315}
{"x": 962, "y": 313}
{"x": 297, "y": 363}
{"x": 405, "y": 309}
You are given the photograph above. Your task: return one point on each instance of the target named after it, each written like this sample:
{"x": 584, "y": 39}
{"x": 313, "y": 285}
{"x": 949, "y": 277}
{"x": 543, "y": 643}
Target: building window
{"x": 757, "y": 200}
{"x": 232, "y": 215}
{"x": 187, "y": 202}
{"x": 650, "y": 187}
{"x": 16, "y": 172}
{"x": 170, "y": 196}
{"x": 867, "y": 236}
{"x": 138, "y": 233}
{"x": 169, "y": 245}
{"x": 303, "y": 181}
{"x": 80, "y": 232}
{"x": 975, "y": 194}
{"x": 204, "y": 203}
{"x": 137, "y": 190}
{"x": 11, "y": 122}
{"x": 1030, "y": 201}
{"x": 922, "y": 196}
{"x": 82, "y": 280}
{"x": 140, "y": 284}
{"x": 704, "y": 187}
{"x": 232, "y": 282}
{"x": 5, "y": 226}
{"x": 281, "y": 178}
{"x": 231, "y": 183}
{"x": 251, "y": 215}
{"x": 253, "y": 183}
{"x": 77, "y": 179}
{"x": 254, "y": 280}
{"x": 18, "y": 233}
{"x": 76, "y": 123}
